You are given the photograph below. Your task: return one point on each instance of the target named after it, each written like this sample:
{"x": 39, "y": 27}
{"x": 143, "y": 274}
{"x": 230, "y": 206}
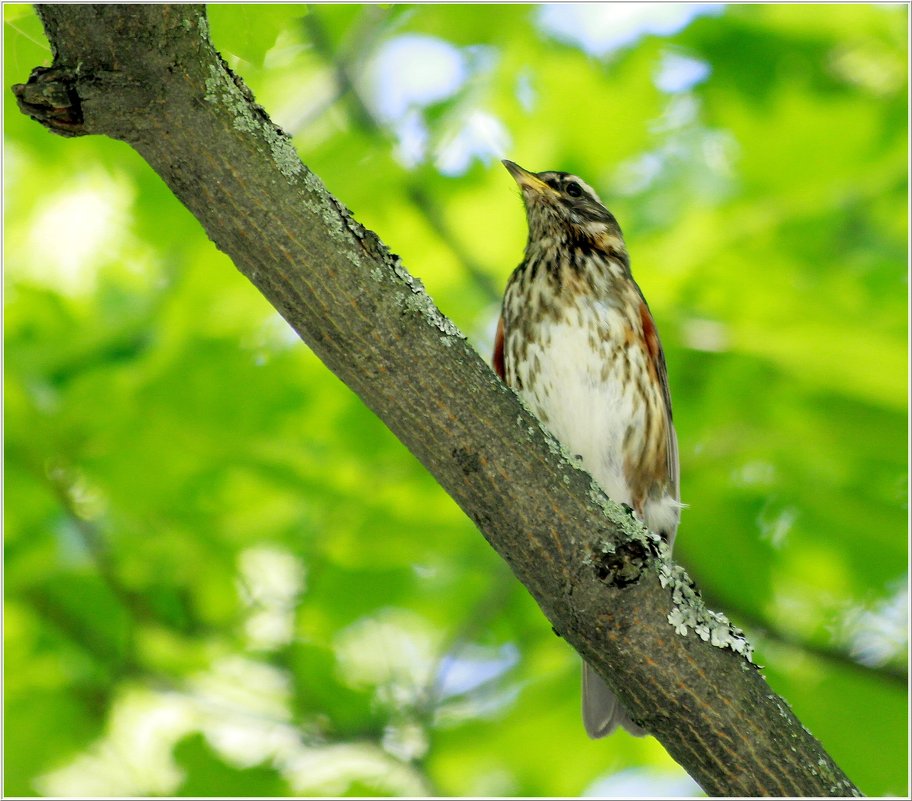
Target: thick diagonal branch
{"x": 148, "y": 75}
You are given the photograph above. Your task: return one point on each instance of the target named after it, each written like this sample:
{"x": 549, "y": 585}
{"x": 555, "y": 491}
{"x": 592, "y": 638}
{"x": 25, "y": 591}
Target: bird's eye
{"x": 573, "y": 189}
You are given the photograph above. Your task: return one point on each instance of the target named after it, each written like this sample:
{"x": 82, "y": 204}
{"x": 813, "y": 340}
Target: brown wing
{"x": 497, "y": 360}
{"x": 657, "y": 361}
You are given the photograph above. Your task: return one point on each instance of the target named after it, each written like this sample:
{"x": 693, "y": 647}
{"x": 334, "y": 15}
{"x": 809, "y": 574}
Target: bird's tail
{"x": 602, "y": 712}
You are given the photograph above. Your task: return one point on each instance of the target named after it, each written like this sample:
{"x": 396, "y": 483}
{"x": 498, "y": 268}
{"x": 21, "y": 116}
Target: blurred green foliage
{"x": 225, "y": 577}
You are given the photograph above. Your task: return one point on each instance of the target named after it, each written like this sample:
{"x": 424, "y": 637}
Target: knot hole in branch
{"x": 621, "y": 566}
{"x": 50, "y": 97}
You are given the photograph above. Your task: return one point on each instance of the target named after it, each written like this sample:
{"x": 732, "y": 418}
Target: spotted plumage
{"x": 577, "y": 341}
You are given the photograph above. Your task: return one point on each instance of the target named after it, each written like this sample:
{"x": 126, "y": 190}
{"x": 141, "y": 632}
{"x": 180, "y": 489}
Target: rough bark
{"x": 149, "y": 76}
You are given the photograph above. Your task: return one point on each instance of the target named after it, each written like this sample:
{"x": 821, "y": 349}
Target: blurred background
{"x": 224, "y": 576}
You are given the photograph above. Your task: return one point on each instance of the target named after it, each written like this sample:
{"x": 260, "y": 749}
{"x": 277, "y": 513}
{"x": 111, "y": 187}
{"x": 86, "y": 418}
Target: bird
{"x": 577, "y": 342}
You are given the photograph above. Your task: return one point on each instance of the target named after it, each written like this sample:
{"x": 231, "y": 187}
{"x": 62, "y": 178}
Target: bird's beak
{"x": 525, "y": 179}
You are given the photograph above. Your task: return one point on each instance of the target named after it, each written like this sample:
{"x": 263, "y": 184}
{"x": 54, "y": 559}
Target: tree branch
{"x": 149, "y": 76}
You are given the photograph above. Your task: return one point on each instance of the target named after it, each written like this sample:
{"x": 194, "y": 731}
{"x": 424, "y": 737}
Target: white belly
{"x": 574, "y": 374}
{"x": 578, "y": 392}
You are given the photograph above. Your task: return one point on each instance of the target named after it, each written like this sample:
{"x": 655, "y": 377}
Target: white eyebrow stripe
{"x": 586, "y": 188}
{"x": 565, "y": 178}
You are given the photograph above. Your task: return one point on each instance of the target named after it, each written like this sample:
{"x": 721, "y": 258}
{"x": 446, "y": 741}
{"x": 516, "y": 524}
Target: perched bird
{"x": 578, "y": 343}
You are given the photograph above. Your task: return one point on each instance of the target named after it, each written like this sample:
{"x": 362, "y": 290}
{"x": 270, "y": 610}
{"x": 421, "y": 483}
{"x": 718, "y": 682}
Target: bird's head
{"x": 561, "y": 206}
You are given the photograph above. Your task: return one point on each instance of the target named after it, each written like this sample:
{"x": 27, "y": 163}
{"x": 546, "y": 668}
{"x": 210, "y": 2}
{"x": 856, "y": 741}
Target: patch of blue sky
{"x": 482, "y": 136}
{"x": 679, "y": 73}
{"x": 644, "y": 783}
{"x": 472, "y": 667}
{"x": 409, "y": 73}
{"x": 414, "y": 71}
{"x": 880, "y": 633}
{"x": 602, "y": 28}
